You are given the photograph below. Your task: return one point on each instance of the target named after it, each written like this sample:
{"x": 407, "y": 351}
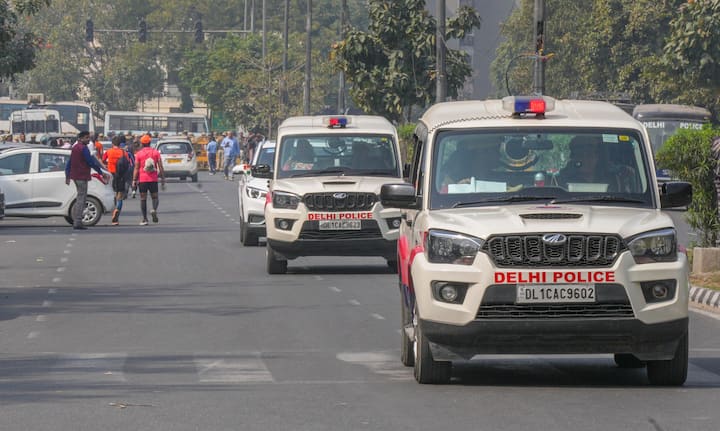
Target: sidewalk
{"x": 707, "y": 299}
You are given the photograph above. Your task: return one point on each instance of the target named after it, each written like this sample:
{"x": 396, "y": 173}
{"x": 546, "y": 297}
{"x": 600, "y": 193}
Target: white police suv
{"x": 324, "y": 194}
{"x": 533, "y": 226}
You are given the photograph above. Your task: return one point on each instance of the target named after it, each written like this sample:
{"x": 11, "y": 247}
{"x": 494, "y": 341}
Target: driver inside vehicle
{"x": 302, "y": 158}
{"x": 590, "y": 169}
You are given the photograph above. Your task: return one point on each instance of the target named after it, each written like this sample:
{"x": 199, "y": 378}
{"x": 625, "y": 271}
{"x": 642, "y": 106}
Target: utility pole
{"x": 539, "y": 69}
{"x": 308, "y": 57}
{"x": 441, "y": 79}
{"x": 283, "y": 80}
{"x": 341, "y": 77}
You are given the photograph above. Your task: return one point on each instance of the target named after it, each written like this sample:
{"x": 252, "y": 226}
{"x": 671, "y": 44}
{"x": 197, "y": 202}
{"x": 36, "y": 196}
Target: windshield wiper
{"x": 514, "y": 198}
{"x": 384, "y": 173}
{"x": 328, "y": 171}
{"x": 601, "y": 198}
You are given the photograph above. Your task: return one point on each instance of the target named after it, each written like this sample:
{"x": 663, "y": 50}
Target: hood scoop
{"x": 550, "y": 216}
{"x": 338, "y": 183}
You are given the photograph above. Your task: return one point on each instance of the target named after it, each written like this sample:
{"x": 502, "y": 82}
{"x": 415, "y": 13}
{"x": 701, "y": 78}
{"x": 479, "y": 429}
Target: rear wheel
{"x": 671, "y": 372}
{"x": 273, "y": 264}
{"x": 406, "y": 348}
{"x": 427, "y": 370}
{"x": 91, "y": 214}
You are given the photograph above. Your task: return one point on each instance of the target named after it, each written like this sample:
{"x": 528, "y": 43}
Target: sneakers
{"x": 154, "y": 216}
{"x": 226, "y": 177}
{"x": 115, "y": 217}
{"x": 133, "y": 194}
{"x": 144, "y": 222}
{"x": 81, "y": 227}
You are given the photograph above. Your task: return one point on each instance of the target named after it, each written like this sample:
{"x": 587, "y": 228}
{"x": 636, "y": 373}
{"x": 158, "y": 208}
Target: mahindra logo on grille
{"x": 554, "y": 239}
{"x": 339, "y": 195}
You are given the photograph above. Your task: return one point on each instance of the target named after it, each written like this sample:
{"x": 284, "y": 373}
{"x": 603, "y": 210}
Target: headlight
{"x": 285, "y": 200}
{"x": 450, "y": 247}
{"x": 655, "y": 246}
{"x": 254, "y": 193}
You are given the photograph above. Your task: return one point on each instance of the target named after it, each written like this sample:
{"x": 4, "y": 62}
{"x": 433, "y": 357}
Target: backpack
{"x": 149, "y": 165}
{"x": 122, "y": 165}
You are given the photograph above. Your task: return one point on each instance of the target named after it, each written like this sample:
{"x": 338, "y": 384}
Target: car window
{"x": 266, "y": 156}
{"x": 15, "y": 164}
{"x": 49, "y": 162}
{"x": 174, "y": 148}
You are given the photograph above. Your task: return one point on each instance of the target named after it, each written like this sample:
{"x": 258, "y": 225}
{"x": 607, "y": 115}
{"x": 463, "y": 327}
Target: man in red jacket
{"x": 78, "y": 169}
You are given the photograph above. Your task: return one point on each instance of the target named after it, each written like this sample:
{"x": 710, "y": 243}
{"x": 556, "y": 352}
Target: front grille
{"x": 532, "y": 251}
{"x": 369, "y": 230}
{"x": 556, "y": 311}
{"x": 340, "y": 201}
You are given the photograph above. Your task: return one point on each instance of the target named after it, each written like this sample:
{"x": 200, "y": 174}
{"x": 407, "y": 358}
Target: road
{"x": 177, "y": 327}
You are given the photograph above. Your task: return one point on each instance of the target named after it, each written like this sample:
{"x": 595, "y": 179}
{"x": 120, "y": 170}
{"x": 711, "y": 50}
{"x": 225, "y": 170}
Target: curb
{"x": 706, "y": 298}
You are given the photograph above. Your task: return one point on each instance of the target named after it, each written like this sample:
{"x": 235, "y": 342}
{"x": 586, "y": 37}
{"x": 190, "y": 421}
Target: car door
{"x": 50, "y": 193}
{"x": 15, "y": 182}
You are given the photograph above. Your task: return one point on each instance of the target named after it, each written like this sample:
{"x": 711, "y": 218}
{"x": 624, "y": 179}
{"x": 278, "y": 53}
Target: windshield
{"x": 266, "y": 156}
{"x": 347, "y": 154}
{"x": 174, "y": 148}
{"x": 661, "y": 130}
{"x": 491, "y": 167}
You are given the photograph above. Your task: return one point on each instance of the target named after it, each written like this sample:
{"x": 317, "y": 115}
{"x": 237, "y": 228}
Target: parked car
{"x": 178, "y": 158}
{"x": 251, "y": 196}
{"x": 33, "y": 181}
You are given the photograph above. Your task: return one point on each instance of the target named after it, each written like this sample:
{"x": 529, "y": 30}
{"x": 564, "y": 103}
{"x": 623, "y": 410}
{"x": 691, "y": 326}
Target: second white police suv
{"x": 533, "y": 226}
{"x": 324, "y": 193}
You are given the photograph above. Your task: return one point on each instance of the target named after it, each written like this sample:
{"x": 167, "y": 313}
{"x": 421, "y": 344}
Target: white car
{"x": 251, "y": 196}
{"x": 178, "y": 158}
{"x": 533, "y": 226}
{"x": 33, "y": 181}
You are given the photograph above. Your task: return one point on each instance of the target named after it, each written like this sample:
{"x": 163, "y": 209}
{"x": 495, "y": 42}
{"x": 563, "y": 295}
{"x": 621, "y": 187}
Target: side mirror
{"x": 675, "y": 194}
{"x": 399, "y": 196}
{"x": 261, "y": 171}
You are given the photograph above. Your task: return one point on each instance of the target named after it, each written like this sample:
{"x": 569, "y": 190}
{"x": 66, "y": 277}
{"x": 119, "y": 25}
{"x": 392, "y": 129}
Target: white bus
{"x": 35, "y": 122}
{"x": 155, "y": 122}
{"x": 74, "y": 116}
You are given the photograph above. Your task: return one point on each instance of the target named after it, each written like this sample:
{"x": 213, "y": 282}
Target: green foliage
{"x": 688, "y": 155}
{"x": 392, "y": 65}
{"x": 611, "y": 47}
{"x": 17, "y": 42}
{"x": 405, "y": 133}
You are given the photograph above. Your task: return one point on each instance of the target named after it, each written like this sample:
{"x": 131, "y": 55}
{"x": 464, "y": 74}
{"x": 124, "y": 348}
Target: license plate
{"x": 340, "y": 225}
{"x": 174, "y": 160}
{"x": 555, "y": 293}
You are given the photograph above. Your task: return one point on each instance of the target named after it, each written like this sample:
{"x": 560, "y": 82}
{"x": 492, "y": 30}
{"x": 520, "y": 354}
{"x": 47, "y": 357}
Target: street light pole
{"x": 441, "y": 79}
{"x": 308, "y": 57}
{"x": 341, "y": 77}
{"x": 539, "y": 64}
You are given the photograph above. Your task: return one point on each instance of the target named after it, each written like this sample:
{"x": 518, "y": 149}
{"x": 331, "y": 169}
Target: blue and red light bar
{"x": 335, "y": 122}
{"x": 533, "y": 105}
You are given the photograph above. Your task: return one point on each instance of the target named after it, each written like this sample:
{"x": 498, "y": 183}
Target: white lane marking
{"x": 377, "y": 316}
{"x": 702, "y": 349}
{"x": 33, "y": 334}
{"x": 100, "y": 366}
{"x": 318, "y": 277}
{"x": 69, "y": 245}
{"x": 56, "y": 280}
{"x": 52, "y": 291}
{"x": 66, "y": 251}
{"x": 61, "y": 269}
{"x": 334, "y": 289}
{"x": 245, "y": 369}
{"x": 705, "y": 313}
{"x": 383, "y": 363}
{"x": 47, "y": 304}
{"x": 41, "y": 318}
{"x": 63, "y": 260}
{"x": 354, "y": 302}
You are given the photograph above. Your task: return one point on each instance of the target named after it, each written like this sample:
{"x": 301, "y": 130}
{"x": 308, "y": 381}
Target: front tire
{"x": 273, "y": 264}
{"x": 671, "y": 372}
{"x": 91, "y": 214}
{"x": 427, "y": 370}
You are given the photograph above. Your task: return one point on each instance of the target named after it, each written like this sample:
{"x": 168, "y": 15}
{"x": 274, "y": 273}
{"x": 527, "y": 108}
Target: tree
{"x": 392, "y": 66}
{"x": 17, "y": 44}
{"x": 688, "y": 155}
{"x": 693, "y": 47}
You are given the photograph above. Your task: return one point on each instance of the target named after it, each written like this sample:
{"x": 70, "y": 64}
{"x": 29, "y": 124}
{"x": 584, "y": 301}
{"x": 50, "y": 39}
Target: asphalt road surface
{"x": 176, "y": 326}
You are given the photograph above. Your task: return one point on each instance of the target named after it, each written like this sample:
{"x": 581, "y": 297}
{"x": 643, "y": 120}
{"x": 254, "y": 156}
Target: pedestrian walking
{"x": 120, "y": 166}
{"x": 231, "y": 150}
{"x": 148, "y": 168}
{"x": 77, "y": 169}
{"x": 212, "y": 147}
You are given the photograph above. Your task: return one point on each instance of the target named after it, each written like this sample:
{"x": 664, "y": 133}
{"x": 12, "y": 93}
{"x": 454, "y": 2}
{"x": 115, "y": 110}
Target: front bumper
{"x": 346, "y": 247}
{"x": 561, "y": 336}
